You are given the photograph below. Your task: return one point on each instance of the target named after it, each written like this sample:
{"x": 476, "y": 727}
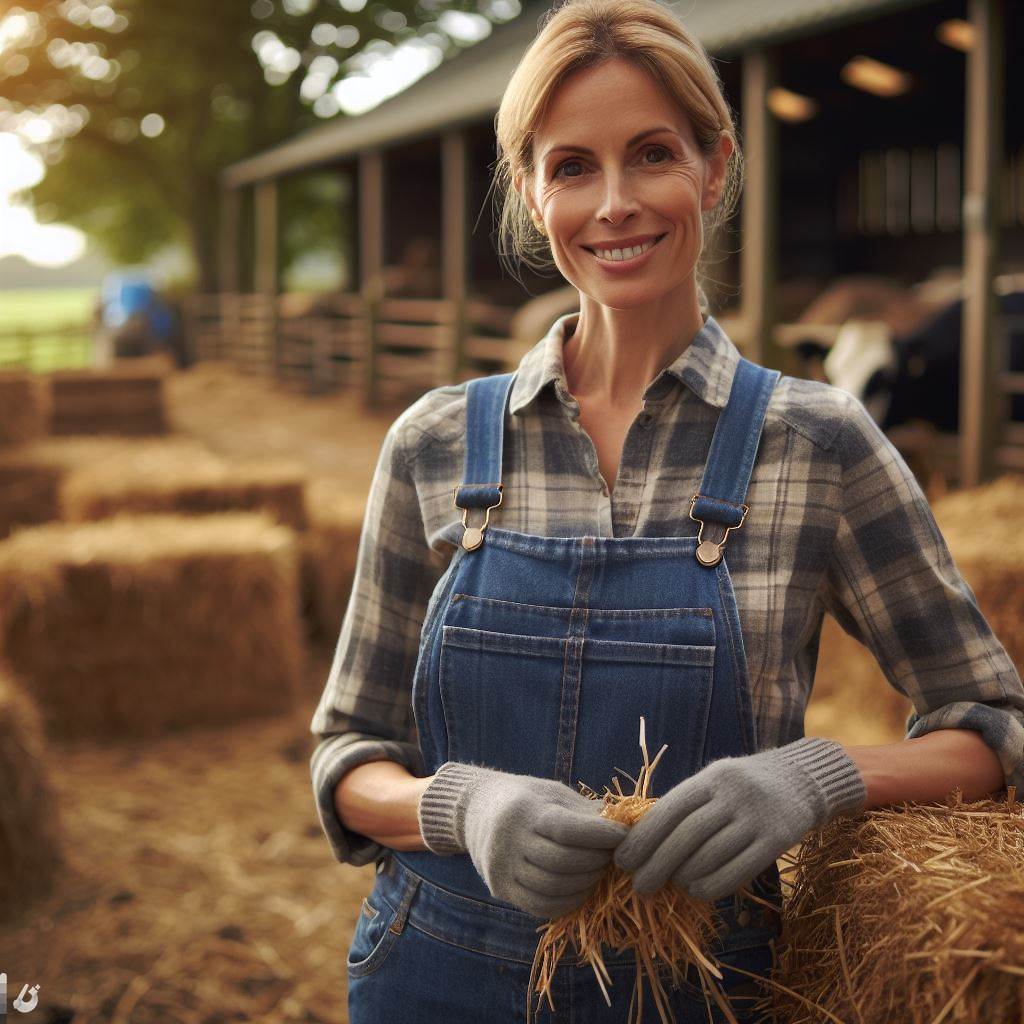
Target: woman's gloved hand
{"x": 721, "y": 827}
{"x": 538, "y": 844}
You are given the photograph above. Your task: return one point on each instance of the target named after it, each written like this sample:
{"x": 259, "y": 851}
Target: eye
{"x": 663, "y": 150}
{"x": 658, "y": 149}
{"x": 565, "y": 163}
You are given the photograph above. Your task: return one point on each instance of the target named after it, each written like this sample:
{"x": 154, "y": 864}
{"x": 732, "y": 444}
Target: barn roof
{"x": 468, "y": 87}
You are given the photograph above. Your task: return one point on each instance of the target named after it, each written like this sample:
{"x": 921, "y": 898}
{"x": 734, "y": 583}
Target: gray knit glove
{"x": 537, "y": 843}
{"x": 716, "y": 830}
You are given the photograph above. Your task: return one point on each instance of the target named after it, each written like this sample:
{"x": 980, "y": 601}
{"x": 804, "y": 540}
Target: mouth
{"x": 625, "y": 256}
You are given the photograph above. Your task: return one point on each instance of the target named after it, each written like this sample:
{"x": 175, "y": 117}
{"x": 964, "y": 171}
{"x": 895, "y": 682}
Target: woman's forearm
{"x": 927, "y": 768}
{"x": 380, "y": 800}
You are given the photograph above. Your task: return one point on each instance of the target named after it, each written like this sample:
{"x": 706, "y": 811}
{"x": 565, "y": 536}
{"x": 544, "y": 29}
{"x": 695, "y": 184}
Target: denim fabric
{"x": 423, "y": 955}
{"x": 538, "y": 655}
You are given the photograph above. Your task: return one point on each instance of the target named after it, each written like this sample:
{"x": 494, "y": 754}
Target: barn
{"x": 885, "y": 187}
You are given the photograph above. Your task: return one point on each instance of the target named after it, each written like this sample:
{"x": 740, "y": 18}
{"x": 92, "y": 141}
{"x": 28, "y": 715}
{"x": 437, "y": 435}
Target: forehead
{"x": 606, "y": 104}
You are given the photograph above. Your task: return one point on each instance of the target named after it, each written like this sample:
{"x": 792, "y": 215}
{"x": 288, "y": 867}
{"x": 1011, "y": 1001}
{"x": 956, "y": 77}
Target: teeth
{"x": 624, "y": 254}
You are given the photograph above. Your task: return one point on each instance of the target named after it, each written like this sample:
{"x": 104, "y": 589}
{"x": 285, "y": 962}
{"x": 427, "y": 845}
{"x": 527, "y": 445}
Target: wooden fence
{"x": 390, "y": 349}
{"x": 46, "y": 348}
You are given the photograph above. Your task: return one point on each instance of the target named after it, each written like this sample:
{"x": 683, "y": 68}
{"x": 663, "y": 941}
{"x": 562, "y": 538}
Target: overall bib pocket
{"x": 515, "y": 678}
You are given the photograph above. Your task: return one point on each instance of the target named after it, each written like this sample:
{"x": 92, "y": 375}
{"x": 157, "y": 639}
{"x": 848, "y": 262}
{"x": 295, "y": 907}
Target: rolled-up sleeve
{"x": 892, "y": 584}
{"x": 365, "y": 712}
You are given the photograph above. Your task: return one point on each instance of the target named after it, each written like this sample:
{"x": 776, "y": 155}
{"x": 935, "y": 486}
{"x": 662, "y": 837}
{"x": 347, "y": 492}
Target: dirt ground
{"x": 243, "y": 415}
{"x": 198, "y": 887}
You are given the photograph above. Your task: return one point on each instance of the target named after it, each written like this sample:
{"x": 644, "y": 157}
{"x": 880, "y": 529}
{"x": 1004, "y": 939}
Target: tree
{"x": 137, "y": 105}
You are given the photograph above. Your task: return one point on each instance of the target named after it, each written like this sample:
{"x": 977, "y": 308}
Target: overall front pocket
{"x": 519, "y": 694}
{"x": 669, "y": 685}
{"x": 373, "y": 938}
{"x": 501, "y": 694}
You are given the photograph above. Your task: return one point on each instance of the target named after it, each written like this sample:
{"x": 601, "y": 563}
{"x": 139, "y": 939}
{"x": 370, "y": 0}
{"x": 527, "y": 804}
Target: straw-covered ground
{"x": 197, "y": 886}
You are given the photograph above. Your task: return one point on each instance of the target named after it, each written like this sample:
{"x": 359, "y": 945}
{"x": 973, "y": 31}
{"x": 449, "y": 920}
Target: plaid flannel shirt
{"x": 837, "y": 523}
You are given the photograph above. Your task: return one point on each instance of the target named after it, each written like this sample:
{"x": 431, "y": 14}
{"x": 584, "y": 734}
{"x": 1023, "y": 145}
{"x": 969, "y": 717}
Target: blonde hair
{"x": 578, "y": 34}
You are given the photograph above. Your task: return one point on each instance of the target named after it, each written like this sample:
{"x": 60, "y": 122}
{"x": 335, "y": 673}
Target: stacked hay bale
{"x": 180, "y": 481}
{"x": 24, "y": 407}
{"x": 852, "y": 701}
{"x": 126, "y": 399}
{"x": 141, "y": 624}
{"x": 329, "y": 552}
{"x": 29, "y": 823}
{"x": 982, "y": 527}
{"x": 28, "y": 492}
{"x": 32, "y": 474}
{"x": 907, "y": 914}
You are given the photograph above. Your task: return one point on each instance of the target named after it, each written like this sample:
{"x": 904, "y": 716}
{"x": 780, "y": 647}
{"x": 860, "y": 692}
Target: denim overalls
{"x": 538, "y": 655}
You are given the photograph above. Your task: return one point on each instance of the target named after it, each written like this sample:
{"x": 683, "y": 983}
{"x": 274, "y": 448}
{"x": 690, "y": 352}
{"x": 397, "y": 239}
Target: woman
{"x": 643, "y": 524}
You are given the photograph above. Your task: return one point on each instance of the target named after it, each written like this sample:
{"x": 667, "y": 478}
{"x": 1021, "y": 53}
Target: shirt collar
{"x": 706, "y": 365}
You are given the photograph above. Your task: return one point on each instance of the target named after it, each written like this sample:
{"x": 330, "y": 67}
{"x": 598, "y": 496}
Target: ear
{"x": 714, "y": 173}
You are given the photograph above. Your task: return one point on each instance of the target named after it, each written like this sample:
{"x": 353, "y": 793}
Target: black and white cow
{"x": 915, "y": 376}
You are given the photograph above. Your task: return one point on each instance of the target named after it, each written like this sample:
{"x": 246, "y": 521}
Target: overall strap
{"x": 486, "y": 403}
{"x": 731, "y": 458}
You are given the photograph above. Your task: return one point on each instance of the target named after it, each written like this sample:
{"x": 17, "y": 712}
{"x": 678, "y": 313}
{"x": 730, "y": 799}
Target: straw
{"x": 670, "y": 927}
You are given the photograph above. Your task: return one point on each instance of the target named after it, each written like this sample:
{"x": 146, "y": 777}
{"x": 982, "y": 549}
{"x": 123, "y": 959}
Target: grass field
{"x": 46, "y": 328}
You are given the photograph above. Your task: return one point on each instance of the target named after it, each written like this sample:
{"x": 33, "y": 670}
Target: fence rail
{"x": 392, "y": 348}
{"x": 46, "y": 348}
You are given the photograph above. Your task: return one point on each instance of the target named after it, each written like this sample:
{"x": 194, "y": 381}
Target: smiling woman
{"x": 658, "y": 525}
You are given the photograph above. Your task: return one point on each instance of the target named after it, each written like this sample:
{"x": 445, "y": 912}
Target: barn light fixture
{"x": 875, "y": 77}
{"x": 956, "y": 33}
{"x": 791, "y": 106}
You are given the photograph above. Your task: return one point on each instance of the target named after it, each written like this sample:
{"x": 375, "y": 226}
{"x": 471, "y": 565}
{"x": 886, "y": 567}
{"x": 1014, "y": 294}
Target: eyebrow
{"x": 629, "y": 142}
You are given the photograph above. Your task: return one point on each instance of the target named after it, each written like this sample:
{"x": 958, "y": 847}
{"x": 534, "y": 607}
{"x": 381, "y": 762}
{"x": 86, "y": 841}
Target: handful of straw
{"x": 669, "y": 926}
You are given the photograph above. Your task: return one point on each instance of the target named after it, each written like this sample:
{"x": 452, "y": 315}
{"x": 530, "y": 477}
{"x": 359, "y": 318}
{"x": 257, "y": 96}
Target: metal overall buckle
{"x": 474, "y": 535}
{"x": 709, "y": 553}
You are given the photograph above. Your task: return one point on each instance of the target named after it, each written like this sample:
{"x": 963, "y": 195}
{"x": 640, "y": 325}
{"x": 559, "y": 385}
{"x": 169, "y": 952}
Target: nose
{"x": 617, "y": 201}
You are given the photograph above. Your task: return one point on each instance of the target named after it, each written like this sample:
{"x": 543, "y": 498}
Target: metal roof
{"x": 468, "y": 87}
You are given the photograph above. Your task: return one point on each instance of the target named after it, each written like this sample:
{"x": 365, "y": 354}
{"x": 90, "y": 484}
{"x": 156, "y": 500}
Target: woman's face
{"x": 615, "y": 160}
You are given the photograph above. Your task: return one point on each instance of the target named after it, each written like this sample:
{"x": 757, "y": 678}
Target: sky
{"x": 43, "y": 245}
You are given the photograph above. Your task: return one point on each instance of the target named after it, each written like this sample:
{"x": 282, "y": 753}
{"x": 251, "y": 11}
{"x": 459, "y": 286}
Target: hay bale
{"x": 852, "y": 701}
{"x": 145, "y": 624}
{"x": 29, "y": 828}
{"x": 24, "y": 407}
{"x": 329, "y": 550}
{"x": 125, "y": 399}
{"x": 982, "y": 526}
{"x": 909, "y": 913}
{"x": 29, "y": 492}
{"x": 178, "y": 481}
{"x": 31, "y": 475}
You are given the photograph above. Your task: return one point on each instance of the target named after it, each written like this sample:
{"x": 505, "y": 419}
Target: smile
{"x": 630, "y": 255}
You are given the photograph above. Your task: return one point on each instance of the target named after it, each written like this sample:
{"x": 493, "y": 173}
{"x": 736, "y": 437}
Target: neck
{"x": 614, "y": 354}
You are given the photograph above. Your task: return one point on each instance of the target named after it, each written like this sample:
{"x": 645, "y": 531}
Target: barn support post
{"x": 267, "y": 268}
{"x": 980, "y": 409}
{"x": 229, "y": 275}
{"x": 371, "y": 258}
{"x": 454, "y": 240}
{"x": 759, "y": 255}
